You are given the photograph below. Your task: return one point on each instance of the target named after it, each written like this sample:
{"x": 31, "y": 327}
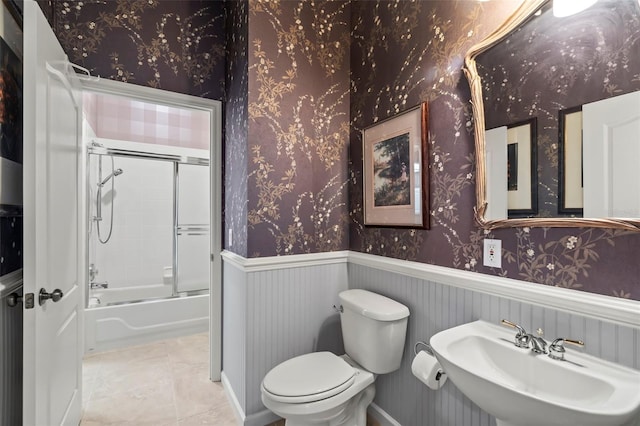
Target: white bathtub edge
{"x": 113, "y": 327}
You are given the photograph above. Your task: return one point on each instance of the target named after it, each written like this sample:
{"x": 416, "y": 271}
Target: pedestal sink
{"x": 521, "y": 388}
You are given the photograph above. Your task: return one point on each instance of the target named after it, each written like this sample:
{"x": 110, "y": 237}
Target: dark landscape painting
{"x": 391, "y": 182}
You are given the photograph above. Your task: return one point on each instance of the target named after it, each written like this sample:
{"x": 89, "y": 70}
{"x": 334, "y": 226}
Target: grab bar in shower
{"x": 192, "y": 230}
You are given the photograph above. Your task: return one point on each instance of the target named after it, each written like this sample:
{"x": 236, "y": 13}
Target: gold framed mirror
{"x": 623, "y": 217}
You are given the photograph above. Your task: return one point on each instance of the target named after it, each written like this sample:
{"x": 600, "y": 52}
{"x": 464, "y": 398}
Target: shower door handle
{"x": 55, "y": 295}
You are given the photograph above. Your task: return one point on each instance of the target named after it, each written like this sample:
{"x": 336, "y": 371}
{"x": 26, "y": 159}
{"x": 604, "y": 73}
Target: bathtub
{"x": 115, "y": 296}
{"x": 128, "y": 324}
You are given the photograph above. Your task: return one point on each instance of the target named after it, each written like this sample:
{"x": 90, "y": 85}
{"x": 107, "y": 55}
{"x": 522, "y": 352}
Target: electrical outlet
{"x": 492, "y": 253}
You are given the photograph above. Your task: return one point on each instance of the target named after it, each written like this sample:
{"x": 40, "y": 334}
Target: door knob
{"x": 55, "y": 295}
{"x": 13, "y": 299}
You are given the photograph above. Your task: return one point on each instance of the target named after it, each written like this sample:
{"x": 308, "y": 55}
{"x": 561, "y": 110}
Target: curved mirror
{"x": 557, "y": 114}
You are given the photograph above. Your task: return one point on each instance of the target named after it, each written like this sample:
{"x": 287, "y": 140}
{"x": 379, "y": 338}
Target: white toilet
{"x": 325, "y": 389}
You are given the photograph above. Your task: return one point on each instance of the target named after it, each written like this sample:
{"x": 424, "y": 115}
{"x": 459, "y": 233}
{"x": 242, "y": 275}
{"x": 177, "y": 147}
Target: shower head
{"x": 115, "y": 173}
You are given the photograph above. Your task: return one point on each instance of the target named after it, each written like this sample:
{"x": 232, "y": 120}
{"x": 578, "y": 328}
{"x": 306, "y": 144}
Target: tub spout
{"x": 96, "y": 285}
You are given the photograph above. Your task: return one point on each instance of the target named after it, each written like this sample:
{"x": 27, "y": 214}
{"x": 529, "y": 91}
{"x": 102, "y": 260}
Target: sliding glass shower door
{"x": 153, "y": 215}
{"x": 192, "y": 228}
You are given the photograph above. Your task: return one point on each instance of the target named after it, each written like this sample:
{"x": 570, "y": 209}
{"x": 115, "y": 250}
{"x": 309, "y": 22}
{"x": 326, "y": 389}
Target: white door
{"x": 611, "y": 138}
{"x": 52, "y": 350}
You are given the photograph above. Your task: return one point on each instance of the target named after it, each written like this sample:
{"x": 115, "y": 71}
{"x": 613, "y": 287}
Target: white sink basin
{"x": 522, "y": 388}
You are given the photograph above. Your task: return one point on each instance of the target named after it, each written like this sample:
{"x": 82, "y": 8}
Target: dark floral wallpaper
{"x": 298, "y": 126}
{"x": 169, "y": 44}
{"x": 302, "y": 79}
{"x": 11, "y": 145}
{"x": 10, "y": 242}
{"x": 236, "y": 126}
{"x": 403, "y": 53}
{"x": 552, "y": 64}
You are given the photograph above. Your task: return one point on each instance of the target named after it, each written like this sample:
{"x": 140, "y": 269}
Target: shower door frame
{"x": 176, "y": 160}
{"x": 214, "y": 109}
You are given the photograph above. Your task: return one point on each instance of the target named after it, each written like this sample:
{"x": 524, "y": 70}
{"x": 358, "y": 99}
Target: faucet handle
{"x": 513, "y": 325}
{"x": 556, "y": 349}
{"x": 522, "y": 338}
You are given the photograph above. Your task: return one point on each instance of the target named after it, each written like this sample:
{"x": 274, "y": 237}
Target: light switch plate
{"x": 492, "y": 253}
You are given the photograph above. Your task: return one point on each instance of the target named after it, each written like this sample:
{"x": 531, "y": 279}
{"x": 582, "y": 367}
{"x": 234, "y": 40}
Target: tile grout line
{"x": 173, "y": 387}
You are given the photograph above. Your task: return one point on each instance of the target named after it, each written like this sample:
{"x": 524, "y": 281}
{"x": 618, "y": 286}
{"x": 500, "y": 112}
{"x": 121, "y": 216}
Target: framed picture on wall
{"x": 395, "y": 179}
{"x": 570, "y": 192}
{"x": 522, "y": 176}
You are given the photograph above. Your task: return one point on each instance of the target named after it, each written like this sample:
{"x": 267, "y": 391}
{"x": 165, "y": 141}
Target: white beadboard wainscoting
{"x": 440, "y": 298}
{"x": 10, "y": 351}
{"x": 274, "y": 309}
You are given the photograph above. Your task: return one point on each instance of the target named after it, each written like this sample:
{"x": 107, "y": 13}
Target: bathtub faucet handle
{"x": 93, "y": 271}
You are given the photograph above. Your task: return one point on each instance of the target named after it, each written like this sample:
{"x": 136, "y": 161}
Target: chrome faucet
{"x": 538, "y": 344}
{"x": 526, "y": 340}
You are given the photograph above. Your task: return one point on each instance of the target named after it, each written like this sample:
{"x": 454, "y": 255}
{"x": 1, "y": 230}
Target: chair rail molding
{"x": 255, "y": 264}
{"x": 606, "y": 308}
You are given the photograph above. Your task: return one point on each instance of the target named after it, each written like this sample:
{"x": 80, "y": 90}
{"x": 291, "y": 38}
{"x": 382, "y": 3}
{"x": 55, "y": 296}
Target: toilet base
{"x": 351, "y": 413}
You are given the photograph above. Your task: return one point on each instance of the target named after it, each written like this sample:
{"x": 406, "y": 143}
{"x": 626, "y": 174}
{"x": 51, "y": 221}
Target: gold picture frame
{"x": 396, "y": 180}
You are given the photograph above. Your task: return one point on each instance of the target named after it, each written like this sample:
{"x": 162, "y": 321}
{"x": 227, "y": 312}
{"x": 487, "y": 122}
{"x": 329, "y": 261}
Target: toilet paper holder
{"x": 428, "y": 349}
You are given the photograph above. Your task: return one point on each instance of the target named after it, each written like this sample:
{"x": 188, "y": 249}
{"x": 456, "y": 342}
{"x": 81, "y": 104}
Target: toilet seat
{"x": 308, "y": 378}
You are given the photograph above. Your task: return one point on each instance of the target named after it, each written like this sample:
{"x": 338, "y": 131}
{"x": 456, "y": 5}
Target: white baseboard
{"x": 261, "y": 418}
{"x": 381, "y": 416}
{"x": 231, "y": 396}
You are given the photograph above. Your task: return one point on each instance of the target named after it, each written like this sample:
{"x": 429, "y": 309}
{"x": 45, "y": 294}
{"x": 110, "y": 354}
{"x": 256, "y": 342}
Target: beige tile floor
{"x": 162, "y": 383}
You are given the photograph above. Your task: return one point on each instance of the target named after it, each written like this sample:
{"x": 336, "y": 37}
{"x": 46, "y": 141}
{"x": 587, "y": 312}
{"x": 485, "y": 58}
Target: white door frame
{"x": 214, "y": 109}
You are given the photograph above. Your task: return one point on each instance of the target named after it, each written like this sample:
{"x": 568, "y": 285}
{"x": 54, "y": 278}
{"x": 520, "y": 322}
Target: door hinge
{"x": 28, "y": 300}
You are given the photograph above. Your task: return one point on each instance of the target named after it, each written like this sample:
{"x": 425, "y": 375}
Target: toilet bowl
{"x": 323, "y": 389}
{"x": 319, "y": 389}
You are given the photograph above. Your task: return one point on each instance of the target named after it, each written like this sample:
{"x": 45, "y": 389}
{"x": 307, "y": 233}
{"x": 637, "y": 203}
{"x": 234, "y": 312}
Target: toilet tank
{"x": 374, "y": 328}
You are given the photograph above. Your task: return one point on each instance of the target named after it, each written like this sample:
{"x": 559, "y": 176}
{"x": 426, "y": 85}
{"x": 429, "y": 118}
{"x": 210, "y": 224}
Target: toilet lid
{"x": 309, "y": 375}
